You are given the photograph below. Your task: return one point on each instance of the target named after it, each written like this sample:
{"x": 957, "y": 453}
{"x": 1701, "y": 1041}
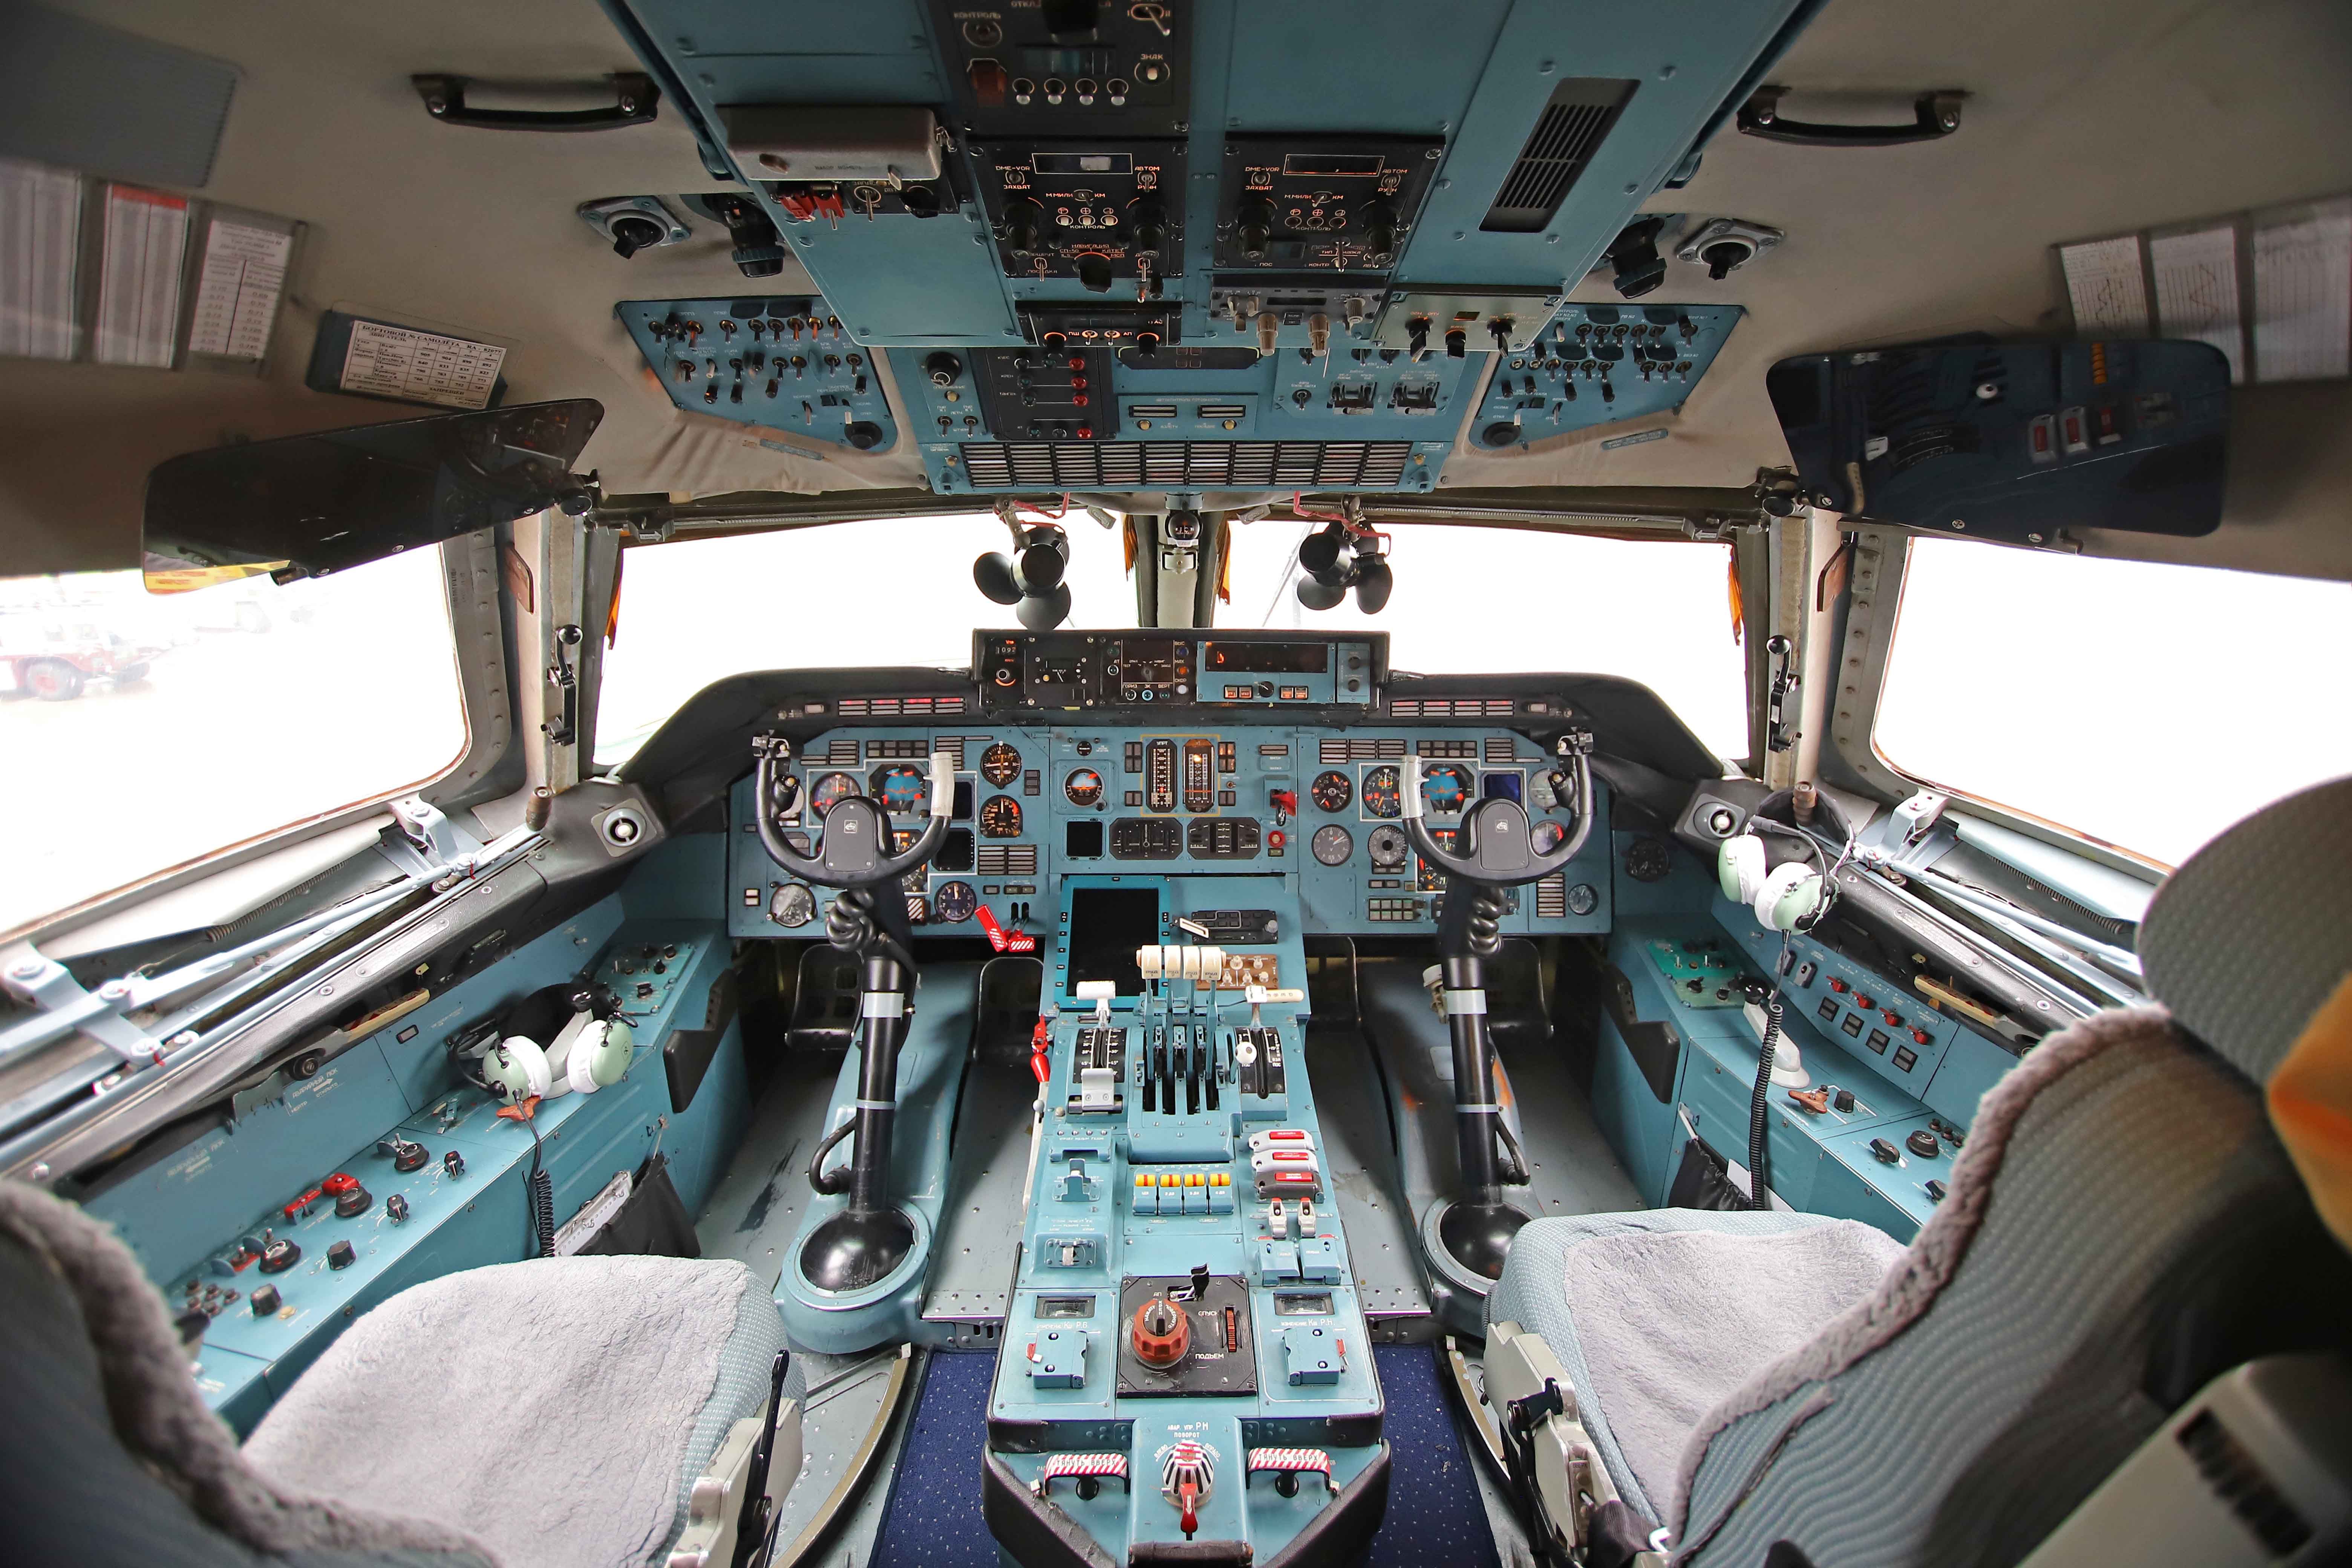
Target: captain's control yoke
{"x": 865, "y": 1242}
{"x": 1493, "y": 850}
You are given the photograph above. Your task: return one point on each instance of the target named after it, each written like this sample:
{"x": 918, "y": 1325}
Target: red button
{"x": 1837, "y": 984}
{"x": 1085, "y": 432}
{"x": 1079, "y": 398}
{"x": 1077, "y": 362}
{"x": 339, "y": 1184}
{"x": 1278, "y": 839}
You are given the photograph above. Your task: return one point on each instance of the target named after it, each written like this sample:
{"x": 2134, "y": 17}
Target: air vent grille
{"x": 1360, "y": 749}
{"x": 1568, "y": 133}
{"x": 1008, "y": 861}
{"x": 1552, "y": 899}
{"x": 894, "y": 707}
{"x": 1453, "y": 706}
{"x": 1063, "y": 465}
{"x": 841, "y": 753}
{"x": 1502, "y": 749}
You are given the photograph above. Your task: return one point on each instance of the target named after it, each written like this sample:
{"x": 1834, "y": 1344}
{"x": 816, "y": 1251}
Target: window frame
{"x": 1874, "y": 608}
{"x": 470, "y": 590}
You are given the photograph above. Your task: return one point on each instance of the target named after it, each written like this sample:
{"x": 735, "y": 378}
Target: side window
{"x": 143, "y": 731}
{"x": 2143, "y": 705}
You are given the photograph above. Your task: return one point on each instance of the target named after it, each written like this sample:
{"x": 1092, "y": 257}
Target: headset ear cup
{"x": 519, "y": 1067}
{"x": 1739, "y": 868}
{"x": 599, "y": 1057}
{"x": 1789, "y": 895}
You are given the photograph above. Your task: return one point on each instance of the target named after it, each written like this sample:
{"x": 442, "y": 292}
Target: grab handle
{"x": 1936, "y": 115}
{"x": 637, "y": 101}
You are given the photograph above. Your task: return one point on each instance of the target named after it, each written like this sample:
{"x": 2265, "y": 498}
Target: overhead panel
{"x": 1316, "y": 244}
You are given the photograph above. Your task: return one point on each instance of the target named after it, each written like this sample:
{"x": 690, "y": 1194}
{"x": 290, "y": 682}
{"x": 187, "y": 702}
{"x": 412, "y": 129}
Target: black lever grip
{"x": 839, "y": 863}
{"x": 1935, "y": 115}
{"x": 636, "y": 101}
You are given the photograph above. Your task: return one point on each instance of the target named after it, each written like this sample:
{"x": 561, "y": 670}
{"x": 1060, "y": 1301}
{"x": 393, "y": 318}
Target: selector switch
{"x": 265, "y": 1301}
{"x": 1923, "y": 1143}
{"x": 1161, "y": 1332}
{"x": 341, "y": 1256}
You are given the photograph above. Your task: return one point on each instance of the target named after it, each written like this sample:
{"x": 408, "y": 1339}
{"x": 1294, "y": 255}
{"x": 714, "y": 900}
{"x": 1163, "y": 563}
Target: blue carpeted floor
{"x": 1434, "y": 1512}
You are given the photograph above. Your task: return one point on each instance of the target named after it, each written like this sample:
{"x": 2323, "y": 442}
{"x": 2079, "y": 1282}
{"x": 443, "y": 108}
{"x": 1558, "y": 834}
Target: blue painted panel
{"x": 1600, "y": 365}
{"x": 1639, "y": 1126}
{"x": 901, "y": 281}
{"x": 1971, "y": 1064}
{"x": 815, "y": 382}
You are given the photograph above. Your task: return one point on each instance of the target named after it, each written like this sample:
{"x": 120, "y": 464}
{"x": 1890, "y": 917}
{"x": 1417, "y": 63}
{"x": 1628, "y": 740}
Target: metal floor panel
{"x": 1571, "y": 1167}
{"x": 754, "y": 1210}
{"x": 1361, "y": 1156}
{"x": 851, "y": 1428}
{"x": 980, "y": 1220}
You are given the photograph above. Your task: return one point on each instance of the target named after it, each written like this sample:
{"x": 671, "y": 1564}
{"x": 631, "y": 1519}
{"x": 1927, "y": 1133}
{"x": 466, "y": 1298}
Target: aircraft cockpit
{"x": 1101, "y": 784}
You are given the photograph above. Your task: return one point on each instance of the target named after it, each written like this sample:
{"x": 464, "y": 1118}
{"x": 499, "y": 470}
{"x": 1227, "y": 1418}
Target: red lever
{"x": 1188, "y": 1498}
{"x": 999, "y": 938}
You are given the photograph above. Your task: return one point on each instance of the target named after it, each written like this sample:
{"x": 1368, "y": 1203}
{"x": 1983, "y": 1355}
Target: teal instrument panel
{"x": 780, "y": 361}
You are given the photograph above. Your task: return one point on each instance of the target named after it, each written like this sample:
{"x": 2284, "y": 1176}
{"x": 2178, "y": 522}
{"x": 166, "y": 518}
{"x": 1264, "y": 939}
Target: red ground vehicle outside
{"x": 54, "y": 660}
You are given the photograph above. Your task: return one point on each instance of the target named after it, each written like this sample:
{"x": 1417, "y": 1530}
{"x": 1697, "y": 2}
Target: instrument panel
{"x": 1318, "y": 808}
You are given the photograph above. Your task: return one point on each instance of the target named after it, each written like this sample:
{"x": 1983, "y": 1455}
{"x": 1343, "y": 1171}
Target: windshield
{"x": 899, "y": 592}
{"x": 2147, "y": 706}
{"x": 143, "y": 732}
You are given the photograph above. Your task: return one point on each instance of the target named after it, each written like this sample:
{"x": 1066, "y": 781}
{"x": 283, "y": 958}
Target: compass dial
{"x": 1388, "y": 847}
{"x": 1000, "y": 765}
{"x": 1332, "y": 844}
{"x": 1331, "y": 790}
{"x": 829, "y": 788}
{"x": 1445, "y": 789}
{"x": 1083, "y": 787}
{"x": 1000, "y": 817}
{"x": 901, "y": 788}
{"x": 1382, "y": 794}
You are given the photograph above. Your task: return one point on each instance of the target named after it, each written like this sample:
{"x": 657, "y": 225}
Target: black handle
{"x": 1937, "y": 116}
{"x": 637, "y": 101}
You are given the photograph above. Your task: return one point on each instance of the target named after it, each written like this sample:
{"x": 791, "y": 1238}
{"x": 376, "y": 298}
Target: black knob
{"x": 1923, "y": 1143}
{"x": 1723, "y": 256}
{"x": 1380, "y": 234}
{"x": 1887, "y": 1153}
{"x": 341, "y": 1256}
{"x": 279, "y": 1256}
{"x": 1147, "y": 343}
{"x": 1025, "y": 228}
{"x": 407, "y": 1157}
{"x": 633, "y": 232}
{"x": 265, "y": 1301}
{"x": 1151, "y": 221}
{"x": 454, "y": 1163}
{"x": 1255, "y": 230}
{"x": 1936, "y": 1191}
{"x": 1843, "y": 1099}
{"x": 395, "y": 1209}
{"x": 352, "y": 1204}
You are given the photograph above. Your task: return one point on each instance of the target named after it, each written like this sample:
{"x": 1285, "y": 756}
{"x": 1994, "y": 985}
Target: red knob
{"x": 1865, "y": 1003}
{"x": 1837, "y": 985}
{"x": 1079, "y": 398}
{"x": 1078, "y": 384}
{"x": 1922, "y": 1037}
{"x": 1893, "y": 1017}
{"x": 1077, "y": 362}
{"x": 1085, "y": 432}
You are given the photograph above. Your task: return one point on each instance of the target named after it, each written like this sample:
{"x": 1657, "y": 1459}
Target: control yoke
{"x": 857, "y": 827}
{"x": 1497, "y": 840}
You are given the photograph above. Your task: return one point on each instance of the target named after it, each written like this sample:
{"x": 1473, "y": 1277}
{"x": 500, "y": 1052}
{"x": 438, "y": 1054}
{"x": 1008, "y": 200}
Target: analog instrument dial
{"x": 1000, "y": 817}
{"x": 1332, "y": 844}
{"x": 1383, "y": 796}
{"x": 1388, "y": 847}
{"x": 830, "y": 787}
{"x": 901, "y": 788}
{"x": 1445, "y": 789}
{"x": 791, "y": 904}
{"x": 1083, "y": 787}
{"x": 1000, "y": 765}
{"x": 955, "y": 902}
{"x": 1332, "y": 790}
{"x": 1546, "y": 837}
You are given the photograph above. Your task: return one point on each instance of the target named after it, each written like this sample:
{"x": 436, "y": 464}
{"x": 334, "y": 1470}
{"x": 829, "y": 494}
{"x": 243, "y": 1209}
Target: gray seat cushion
{"x": 558, "y": 1409}
{"x": 1657, "y": 1316}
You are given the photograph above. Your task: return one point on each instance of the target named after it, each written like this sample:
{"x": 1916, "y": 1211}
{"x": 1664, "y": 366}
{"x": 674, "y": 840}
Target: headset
{"x": 1793, "y": 895}
{"x": 563, "y": 1039}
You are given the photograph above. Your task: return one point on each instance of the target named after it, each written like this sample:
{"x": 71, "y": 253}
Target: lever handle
{"x": 1937, "y": 114}
{"x": 636, "y": 101}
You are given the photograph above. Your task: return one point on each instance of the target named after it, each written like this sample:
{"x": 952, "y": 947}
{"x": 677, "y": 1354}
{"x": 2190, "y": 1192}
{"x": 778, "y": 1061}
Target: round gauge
{"x": 1000, "y": 765}
{"x": 1648, "y": 859}
{"x": 1331, "y": 790}
{"x": 1582, "y": 899}
{"x": 1382, "y": 794}
{"x": 1083, "y": 787}
{"x": 1546, "y": 837}
{"x": 791, "y": 904}
{"x": 902, "y": 789}
{"x": 1445, "y": 788}
{"x": 786, "y": 797}
{"x": 955, "y": 902}
{"x": 828, "y": 789}
{"x": 1000, "y": 817}
{"x": 1388, "y": 847}
{"x": 1332, "y": 844}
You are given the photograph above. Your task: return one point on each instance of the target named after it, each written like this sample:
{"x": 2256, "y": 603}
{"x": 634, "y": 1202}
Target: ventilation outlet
{"x": 1569, "y": 130}
{"x": 2238, "y": 1480}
